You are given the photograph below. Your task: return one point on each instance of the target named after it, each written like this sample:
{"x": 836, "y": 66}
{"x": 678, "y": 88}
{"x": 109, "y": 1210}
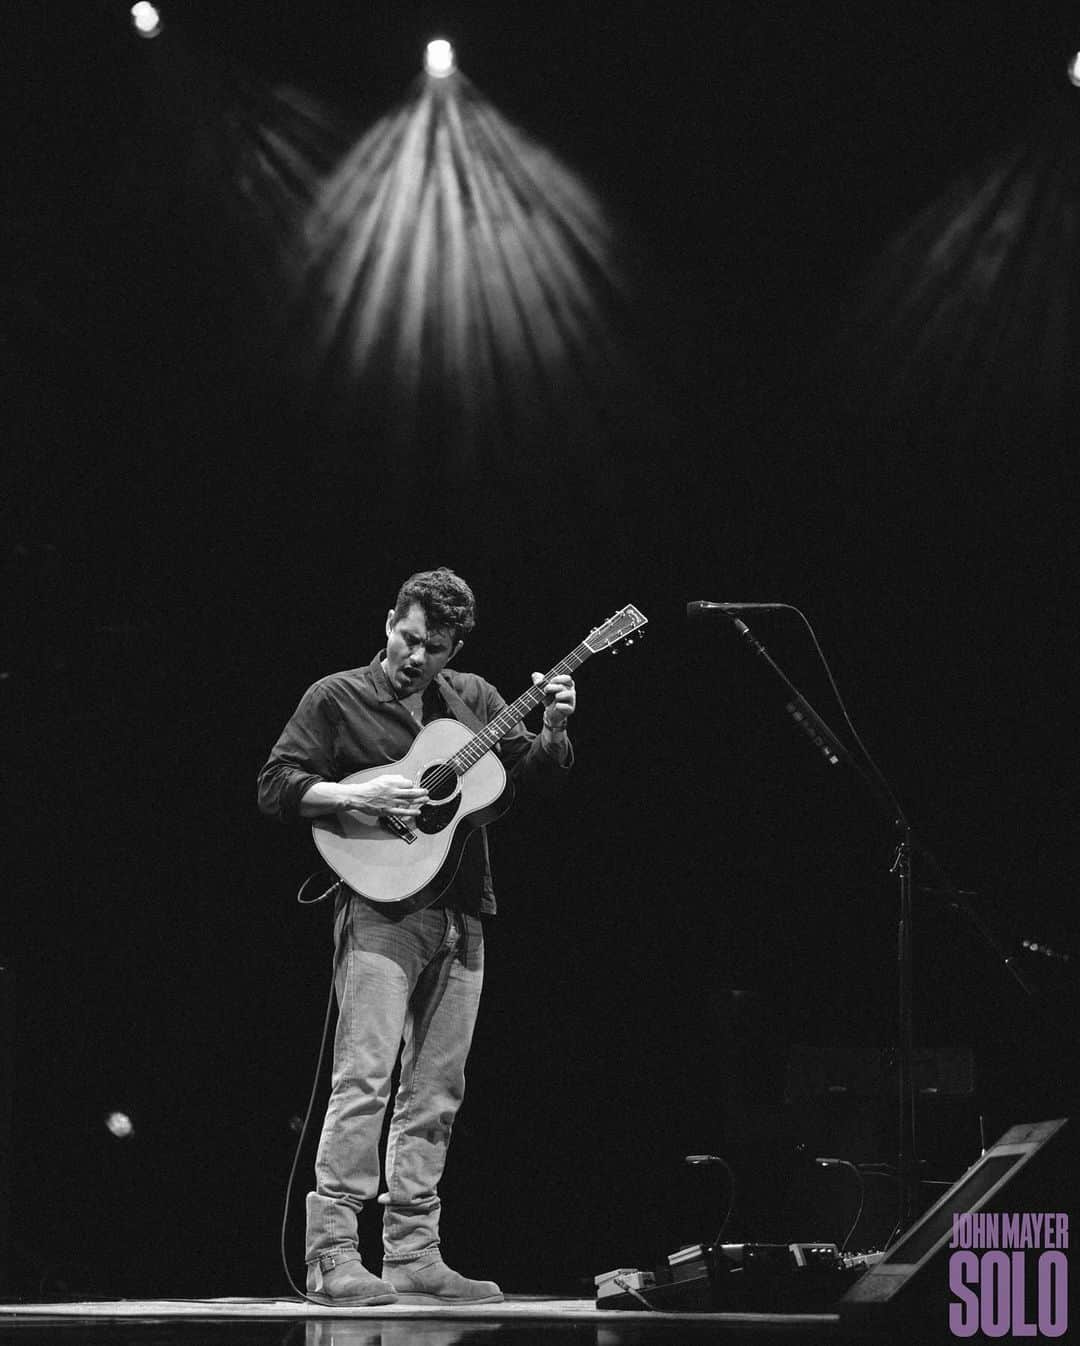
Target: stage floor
{"x": 289, "y": 1322}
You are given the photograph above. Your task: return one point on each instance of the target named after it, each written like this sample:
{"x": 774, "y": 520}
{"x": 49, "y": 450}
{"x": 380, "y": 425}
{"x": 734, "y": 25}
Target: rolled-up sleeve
{"x": 302, "y": 756}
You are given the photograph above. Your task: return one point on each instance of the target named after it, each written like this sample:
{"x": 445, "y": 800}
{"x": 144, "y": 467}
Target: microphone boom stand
{"x": 908, "y": 845}
{"x": 833, "y": 748}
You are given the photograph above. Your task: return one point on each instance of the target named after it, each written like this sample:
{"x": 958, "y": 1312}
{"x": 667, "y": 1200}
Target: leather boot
{"x": 434, "y": 1283}
{"x": 340, "y": 1278}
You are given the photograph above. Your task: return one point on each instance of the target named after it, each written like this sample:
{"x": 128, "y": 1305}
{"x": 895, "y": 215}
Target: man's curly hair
{"x": 447, "y": 601}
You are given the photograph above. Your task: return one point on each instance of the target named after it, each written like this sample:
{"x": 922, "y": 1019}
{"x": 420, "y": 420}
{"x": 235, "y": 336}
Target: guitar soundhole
{"x": 441, "y": 783}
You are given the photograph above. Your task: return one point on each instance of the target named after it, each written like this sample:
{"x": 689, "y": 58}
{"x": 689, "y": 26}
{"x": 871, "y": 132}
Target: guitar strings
{"x": 515, "y": 711}
{"x": 512, "y": 713}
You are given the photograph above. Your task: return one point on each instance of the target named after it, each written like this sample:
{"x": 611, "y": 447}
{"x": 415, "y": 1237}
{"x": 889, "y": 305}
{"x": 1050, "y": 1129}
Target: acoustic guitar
{"x": 407, "y": 863}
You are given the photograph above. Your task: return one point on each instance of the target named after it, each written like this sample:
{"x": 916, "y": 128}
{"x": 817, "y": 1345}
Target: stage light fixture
{"x": 439, "y": 58}
{"x": 1074, "y": 70}
{"x": 145, "y": 19}
{"x": 120, "y": 1125}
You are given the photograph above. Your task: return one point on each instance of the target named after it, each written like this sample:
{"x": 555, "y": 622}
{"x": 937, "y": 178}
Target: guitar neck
{"x": 514, "y": 713}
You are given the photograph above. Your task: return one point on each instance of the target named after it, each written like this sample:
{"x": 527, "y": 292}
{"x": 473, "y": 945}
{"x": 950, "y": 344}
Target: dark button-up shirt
{"x": 352, "y": 720}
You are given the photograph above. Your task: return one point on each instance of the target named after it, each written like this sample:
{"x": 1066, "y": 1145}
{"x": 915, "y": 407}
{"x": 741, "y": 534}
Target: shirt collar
{"x": 385, "y": 692}
{"x": 381, "y": 682}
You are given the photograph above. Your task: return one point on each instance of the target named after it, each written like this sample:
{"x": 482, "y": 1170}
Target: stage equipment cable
{"x": 304, "y": 1125}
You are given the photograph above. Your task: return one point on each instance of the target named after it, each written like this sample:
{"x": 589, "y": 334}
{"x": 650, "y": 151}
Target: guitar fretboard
{"x": 482, "y": 742}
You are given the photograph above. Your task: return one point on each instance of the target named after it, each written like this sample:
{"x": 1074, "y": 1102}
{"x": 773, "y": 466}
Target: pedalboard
{"x": 736, "y": 1278}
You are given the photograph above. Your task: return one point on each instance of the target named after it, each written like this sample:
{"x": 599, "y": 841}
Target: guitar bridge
{"x": 397, "y": 828}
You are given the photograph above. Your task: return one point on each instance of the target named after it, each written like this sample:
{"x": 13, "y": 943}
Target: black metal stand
{"x": 907, "y": 1161}
{"x": 908, "y": 1164}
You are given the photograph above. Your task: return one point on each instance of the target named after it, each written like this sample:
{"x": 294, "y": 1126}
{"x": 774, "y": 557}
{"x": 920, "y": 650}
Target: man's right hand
{"x": 384, "y": 796}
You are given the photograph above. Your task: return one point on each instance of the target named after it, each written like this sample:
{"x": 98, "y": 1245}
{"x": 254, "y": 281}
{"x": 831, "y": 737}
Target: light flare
{"x": 120, "y": 1125}
{"x": 439, "y": 58}
{"x": 145, "y": 19}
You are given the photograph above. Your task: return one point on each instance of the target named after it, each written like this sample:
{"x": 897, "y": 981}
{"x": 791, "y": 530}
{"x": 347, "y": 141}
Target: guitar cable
{"x": 319, "y": 874}
{"x": 306, "y": 1123}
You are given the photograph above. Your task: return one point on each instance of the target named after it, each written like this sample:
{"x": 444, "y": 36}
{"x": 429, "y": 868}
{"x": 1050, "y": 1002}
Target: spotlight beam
{"x": 453, "y": 256}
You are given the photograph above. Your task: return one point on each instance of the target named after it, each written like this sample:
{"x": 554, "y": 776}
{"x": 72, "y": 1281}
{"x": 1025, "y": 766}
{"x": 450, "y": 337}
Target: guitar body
{"x": 407, "y": 863}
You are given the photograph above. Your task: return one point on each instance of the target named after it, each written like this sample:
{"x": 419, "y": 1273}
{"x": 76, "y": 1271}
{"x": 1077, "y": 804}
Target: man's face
{"x": 415, "y": 652}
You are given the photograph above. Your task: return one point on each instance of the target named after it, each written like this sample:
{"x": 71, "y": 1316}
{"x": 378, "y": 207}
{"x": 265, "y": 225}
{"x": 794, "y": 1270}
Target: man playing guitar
{"x": 408, "y": 974}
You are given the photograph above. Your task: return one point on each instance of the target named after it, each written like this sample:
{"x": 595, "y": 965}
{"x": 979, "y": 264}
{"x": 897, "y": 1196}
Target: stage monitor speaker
{"x": 1027, "y": 1170}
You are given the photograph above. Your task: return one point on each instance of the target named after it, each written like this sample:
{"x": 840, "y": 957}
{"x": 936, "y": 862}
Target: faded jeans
{"x": 410, "y": 983}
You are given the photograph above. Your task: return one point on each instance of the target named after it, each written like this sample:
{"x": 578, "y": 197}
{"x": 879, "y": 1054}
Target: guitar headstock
{"x": 617, "y": 628}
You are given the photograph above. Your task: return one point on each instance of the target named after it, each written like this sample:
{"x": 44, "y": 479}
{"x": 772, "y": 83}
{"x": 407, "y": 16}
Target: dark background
{"x": 187, "y": 551}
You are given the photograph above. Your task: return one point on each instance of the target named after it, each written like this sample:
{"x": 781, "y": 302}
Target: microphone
{"x": 700, "y": 606}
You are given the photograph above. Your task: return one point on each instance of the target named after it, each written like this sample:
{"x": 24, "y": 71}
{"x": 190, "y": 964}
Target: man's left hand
{"x": 560, "y": 699}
